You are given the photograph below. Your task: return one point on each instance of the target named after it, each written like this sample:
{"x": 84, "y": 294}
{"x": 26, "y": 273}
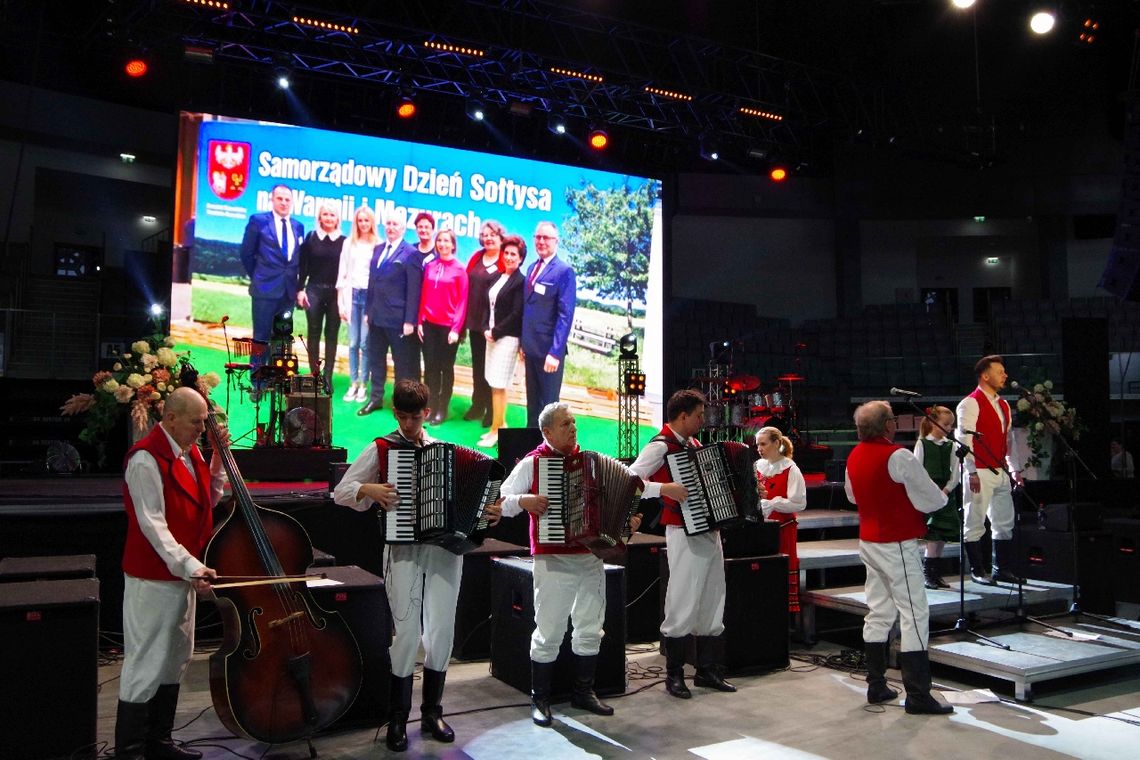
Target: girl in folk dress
{"x": 936, "y": 453}
{"x": 783, "y": 493}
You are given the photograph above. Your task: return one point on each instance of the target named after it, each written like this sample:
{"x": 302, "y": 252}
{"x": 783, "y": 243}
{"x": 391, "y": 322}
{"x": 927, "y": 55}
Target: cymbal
{"x": 791, "y": 377}
{"x": 743, "y": 382}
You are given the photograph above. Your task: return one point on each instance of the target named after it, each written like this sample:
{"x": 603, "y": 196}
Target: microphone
{"x": 902, "y": 392}
{"x": 974, "y": 433}
{"x": 1023, "y": 391}
{"x": 225, "y": 318}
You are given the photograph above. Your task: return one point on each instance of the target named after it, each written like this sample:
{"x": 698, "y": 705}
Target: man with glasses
{"x": 894, "y": 494}
{"x": 548, "y": 312}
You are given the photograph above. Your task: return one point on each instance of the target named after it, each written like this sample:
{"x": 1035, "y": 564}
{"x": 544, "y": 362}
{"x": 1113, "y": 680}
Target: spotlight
{"x": 758, "y": 153}
{"x": 556, "y": 123}
{"x": 778, "y": 174}
{"x": 475, "y": 109}
{"x": 599, "y": 139}
{"x": 709, "y": 148}
{"x": 627, "y": 346}
{"x": 136, "y": 67}
{"x": 281, "y": 76}
{"x": 634, "y": 383}
{"x": 1042, "y": 22}
{"x": 156, "y": 310}
{"x": 963, "y": 4}
{"x": 406, "y": 108}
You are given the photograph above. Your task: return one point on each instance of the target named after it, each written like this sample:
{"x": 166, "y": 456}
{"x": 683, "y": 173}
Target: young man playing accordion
{"x": 419, "y": 578}
{"x": 694, "y": 599}
{"x": 569, "y": 581}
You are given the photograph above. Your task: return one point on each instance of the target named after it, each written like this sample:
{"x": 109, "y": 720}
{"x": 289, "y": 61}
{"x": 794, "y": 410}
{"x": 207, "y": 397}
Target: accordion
{"x": 721, "y": 481}
{"x": 444, "y": 494}
{"x": 591, "y": 498}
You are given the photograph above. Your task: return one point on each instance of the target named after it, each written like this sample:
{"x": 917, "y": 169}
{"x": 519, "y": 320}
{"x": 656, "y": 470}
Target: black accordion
{"x": 721, "y": 480}
{"x": 444, "y": 494}
{"x": 591, "y": 498}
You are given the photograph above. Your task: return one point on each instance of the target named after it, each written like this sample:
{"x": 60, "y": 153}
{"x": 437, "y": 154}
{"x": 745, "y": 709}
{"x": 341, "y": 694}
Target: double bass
{"x": 286, "y": 667}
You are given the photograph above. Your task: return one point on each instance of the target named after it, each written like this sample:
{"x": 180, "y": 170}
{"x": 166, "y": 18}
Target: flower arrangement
{"x": 1043, "y": 416}
{"x": 139, "y": 384}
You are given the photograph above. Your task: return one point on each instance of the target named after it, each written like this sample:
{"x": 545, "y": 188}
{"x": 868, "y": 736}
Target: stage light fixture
{"x": 627, "y": 346}
{"x": 328, "y": 26}
{"x": 406, "y": 107}
{"x": 778, "y": 174}
{"x": 1088, "y": 31}
{"x": 1042, "y": 22}
{"x": 556, "y": 123}
{"x": 281, "y": 77}
{"x": 136, "y": 67}
{"x": 963, "y": 4}
{"x": 599, "y": 139}
{"x": 709, "y": 148}
{"x": 476, "y": 111}
{"x": 127, "y": 158}
{"x": 758, "y": 153}
{"x": 157, "y": 310}
{"x": 668, "y": 94}
{"x": 444, "y": 47}
{"x": 634, "y": 383}
{"x": 595, "y": 78}
{"x": 760, "y": 114}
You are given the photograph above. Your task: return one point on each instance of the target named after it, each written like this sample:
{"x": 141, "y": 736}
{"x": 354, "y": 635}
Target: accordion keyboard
{"x": 400, "y": 523}
{"x": 551, "y": 529}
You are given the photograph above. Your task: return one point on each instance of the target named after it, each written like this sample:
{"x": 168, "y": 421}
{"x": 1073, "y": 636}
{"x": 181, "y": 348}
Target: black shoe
{"x": 159, "y": 744}
{"x": 930, "y": 573}
{"x": 978, "y": 572}
{"x": 369, "y": 408}
{"x": 540, "y": 712}
{"x": 541, "y": 674}
{"x": 925, "y": 704}
{"x": 473, "y": 413}
{"x": 588, "y": 700}
{"x": 915, "y": 668}
{"x": 400, "y": 699}
{"x": 397, "y": 736}
{"x": 1003, "y": 561}
{"x": 583, "y": 695}
{"x": 675, "y": 686}
{"x": 875, "y": 658}
{"x": 431, "y": 713}
{"x": 712, "y": 679}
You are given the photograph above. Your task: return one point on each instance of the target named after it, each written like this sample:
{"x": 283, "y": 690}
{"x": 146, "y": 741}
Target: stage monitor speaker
{"x": 354, "y": 538}
{"x": 473, "y": 611}
{"x": 1085, "y": 516}
{"x": 512, "y": 623}
{"x": 277, "y": 463}
{"x": 1047, "y": 555}
{"x": 54, "y": 568}
{"x": 751, "y": 539}
{"x": 312, "y": 428}
{"x": 834, "y": 470}
{"x": 755, "y": 613}
{"x": 642, "y": 579}
{"x": 362, "y": 602}
{"x": 49, "y": 679}
{"x": 1084, "y": 364}
{"x": 516, "y": 443}
{"x": 1125, "y": 559}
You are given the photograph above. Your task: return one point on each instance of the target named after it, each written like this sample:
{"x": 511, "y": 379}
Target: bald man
{"x": 169, "y": 492}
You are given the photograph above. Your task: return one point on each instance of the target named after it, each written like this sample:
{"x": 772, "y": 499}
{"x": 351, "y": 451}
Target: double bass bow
{"x": 286, "y": 667}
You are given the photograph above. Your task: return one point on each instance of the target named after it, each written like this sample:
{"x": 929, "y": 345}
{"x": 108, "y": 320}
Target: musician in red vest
{"x": 989, "y": 469}
{"x": 894, "y": 494}
{"x": 569, "y": 581}
{"x": 169, "y": 492}
{"x": 694, "y": 599}
{"x": 421, "y": 580}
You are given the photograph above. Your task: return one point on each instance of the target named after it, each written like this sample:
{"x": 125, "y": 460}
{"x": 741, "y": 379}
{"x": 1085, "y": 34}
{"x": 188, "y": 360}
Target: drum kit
{"x": 742, "y": 401}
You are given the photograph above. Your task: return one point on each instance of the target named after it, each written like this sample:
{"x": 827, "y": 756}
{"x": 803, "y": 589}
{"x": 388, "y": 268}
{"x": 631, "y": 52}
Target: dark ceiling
{"x": 848, "y": 75}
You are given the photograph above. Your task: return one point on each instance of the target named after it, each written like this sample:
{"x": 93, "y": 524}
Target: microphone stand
{"x": 318, "y": 384}
{"x": 961, "y": 450}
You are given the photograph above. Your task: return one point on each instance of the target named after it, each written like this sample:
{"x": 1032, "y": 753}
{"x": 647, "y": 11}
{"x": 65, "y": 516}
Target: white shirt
{"x": 493, "y": 295}
{"x": 290, "y": 241}
{"x": 144, "y": 482}
{"x": 906, "y": 470}
{"x": 353, "y": 270}
{"x": 365, "y": 469}
{"x": 796, "y": 500}
{"x": 920, "y": 455}
{"x": 967, "y": 413}
{"x": 652, "y": 457}
{"x": 521, "y": 479}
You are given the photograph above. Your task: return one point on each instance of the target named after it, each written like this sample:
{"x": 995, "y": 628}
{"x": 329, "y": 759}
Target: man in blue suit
{"x": 392, "y": 308}
{"x": 269, "y": 254}
{"x": 548, "y": 311}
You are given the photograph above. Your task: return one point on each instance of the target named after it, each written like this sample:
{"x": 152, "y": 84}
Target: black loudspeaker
{"x": 473, "y": 611}
{"x": 1047, "y": 555}
{"x": 516, "y": 443}
{"x": 642, "y": 578}
{"x": 363, "y": 605}
{"x": 59, "y": 568}
{"x": 755, "y": 613}
{"x": 512, "y": 622}
{"x": 1085, "y": 516}
{"x": 1125, "y": 559}
{"x": 354, "y": 538}
{"x": 834, "y": 470}
{"x": 283, "y": 463}
{"x": 49, "y": 636}
{"x": 1084, "y": 362}
{"x": 751, "y": 539}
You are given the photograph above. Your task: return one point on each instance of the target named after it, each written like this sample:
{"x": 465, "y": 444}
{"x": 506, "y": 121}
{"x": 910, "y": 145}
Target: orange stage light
{"x": 778, "y": 174}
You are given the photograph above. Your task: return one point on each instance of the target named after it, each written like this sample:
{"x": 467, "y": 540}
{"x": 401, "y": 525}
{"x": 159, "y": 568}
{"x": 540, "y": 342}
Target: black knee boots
{"x": 915, "y": 668}
{"x": 431, "y": 711}
{"x": 875, "y": 656}
{"x": 675, "y": 666}
{"x": 159, "y": 744}
{"x": 400, "y": 697}
{"x": 540, "y": 677}
{"x": 710, "y": 664}
{"x": 584, "y": 696}
{"x": 1003, "y": 562}
{"x": 978, "y": 572}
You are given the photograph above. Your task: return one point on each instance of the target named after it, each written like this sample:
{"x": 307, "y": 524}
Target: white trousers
{"x": 567, "y": 586}
{"x": 158, "y": 635}
{"x": 895, "y": 589}
{"x": 694, "y": 600}
{"x": 993, "y": 498}
{"x": 422, "y": 582}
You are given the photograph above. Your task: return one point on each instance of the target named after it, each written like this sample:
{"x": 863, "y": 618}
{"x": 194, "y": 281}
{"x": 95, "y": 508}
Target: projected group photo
{"x": 502, "y": 283}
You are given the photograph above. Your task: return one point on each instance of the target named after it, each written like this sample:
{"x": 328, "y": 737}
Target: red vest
{"x": 670, "y": 509}
{"x": 189, "y": 511}
{"x": 990, "y": 449}
{"x": 885, "y": 512}
{"x": 777, "y": 487}
{"x": 544, "y": 450}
